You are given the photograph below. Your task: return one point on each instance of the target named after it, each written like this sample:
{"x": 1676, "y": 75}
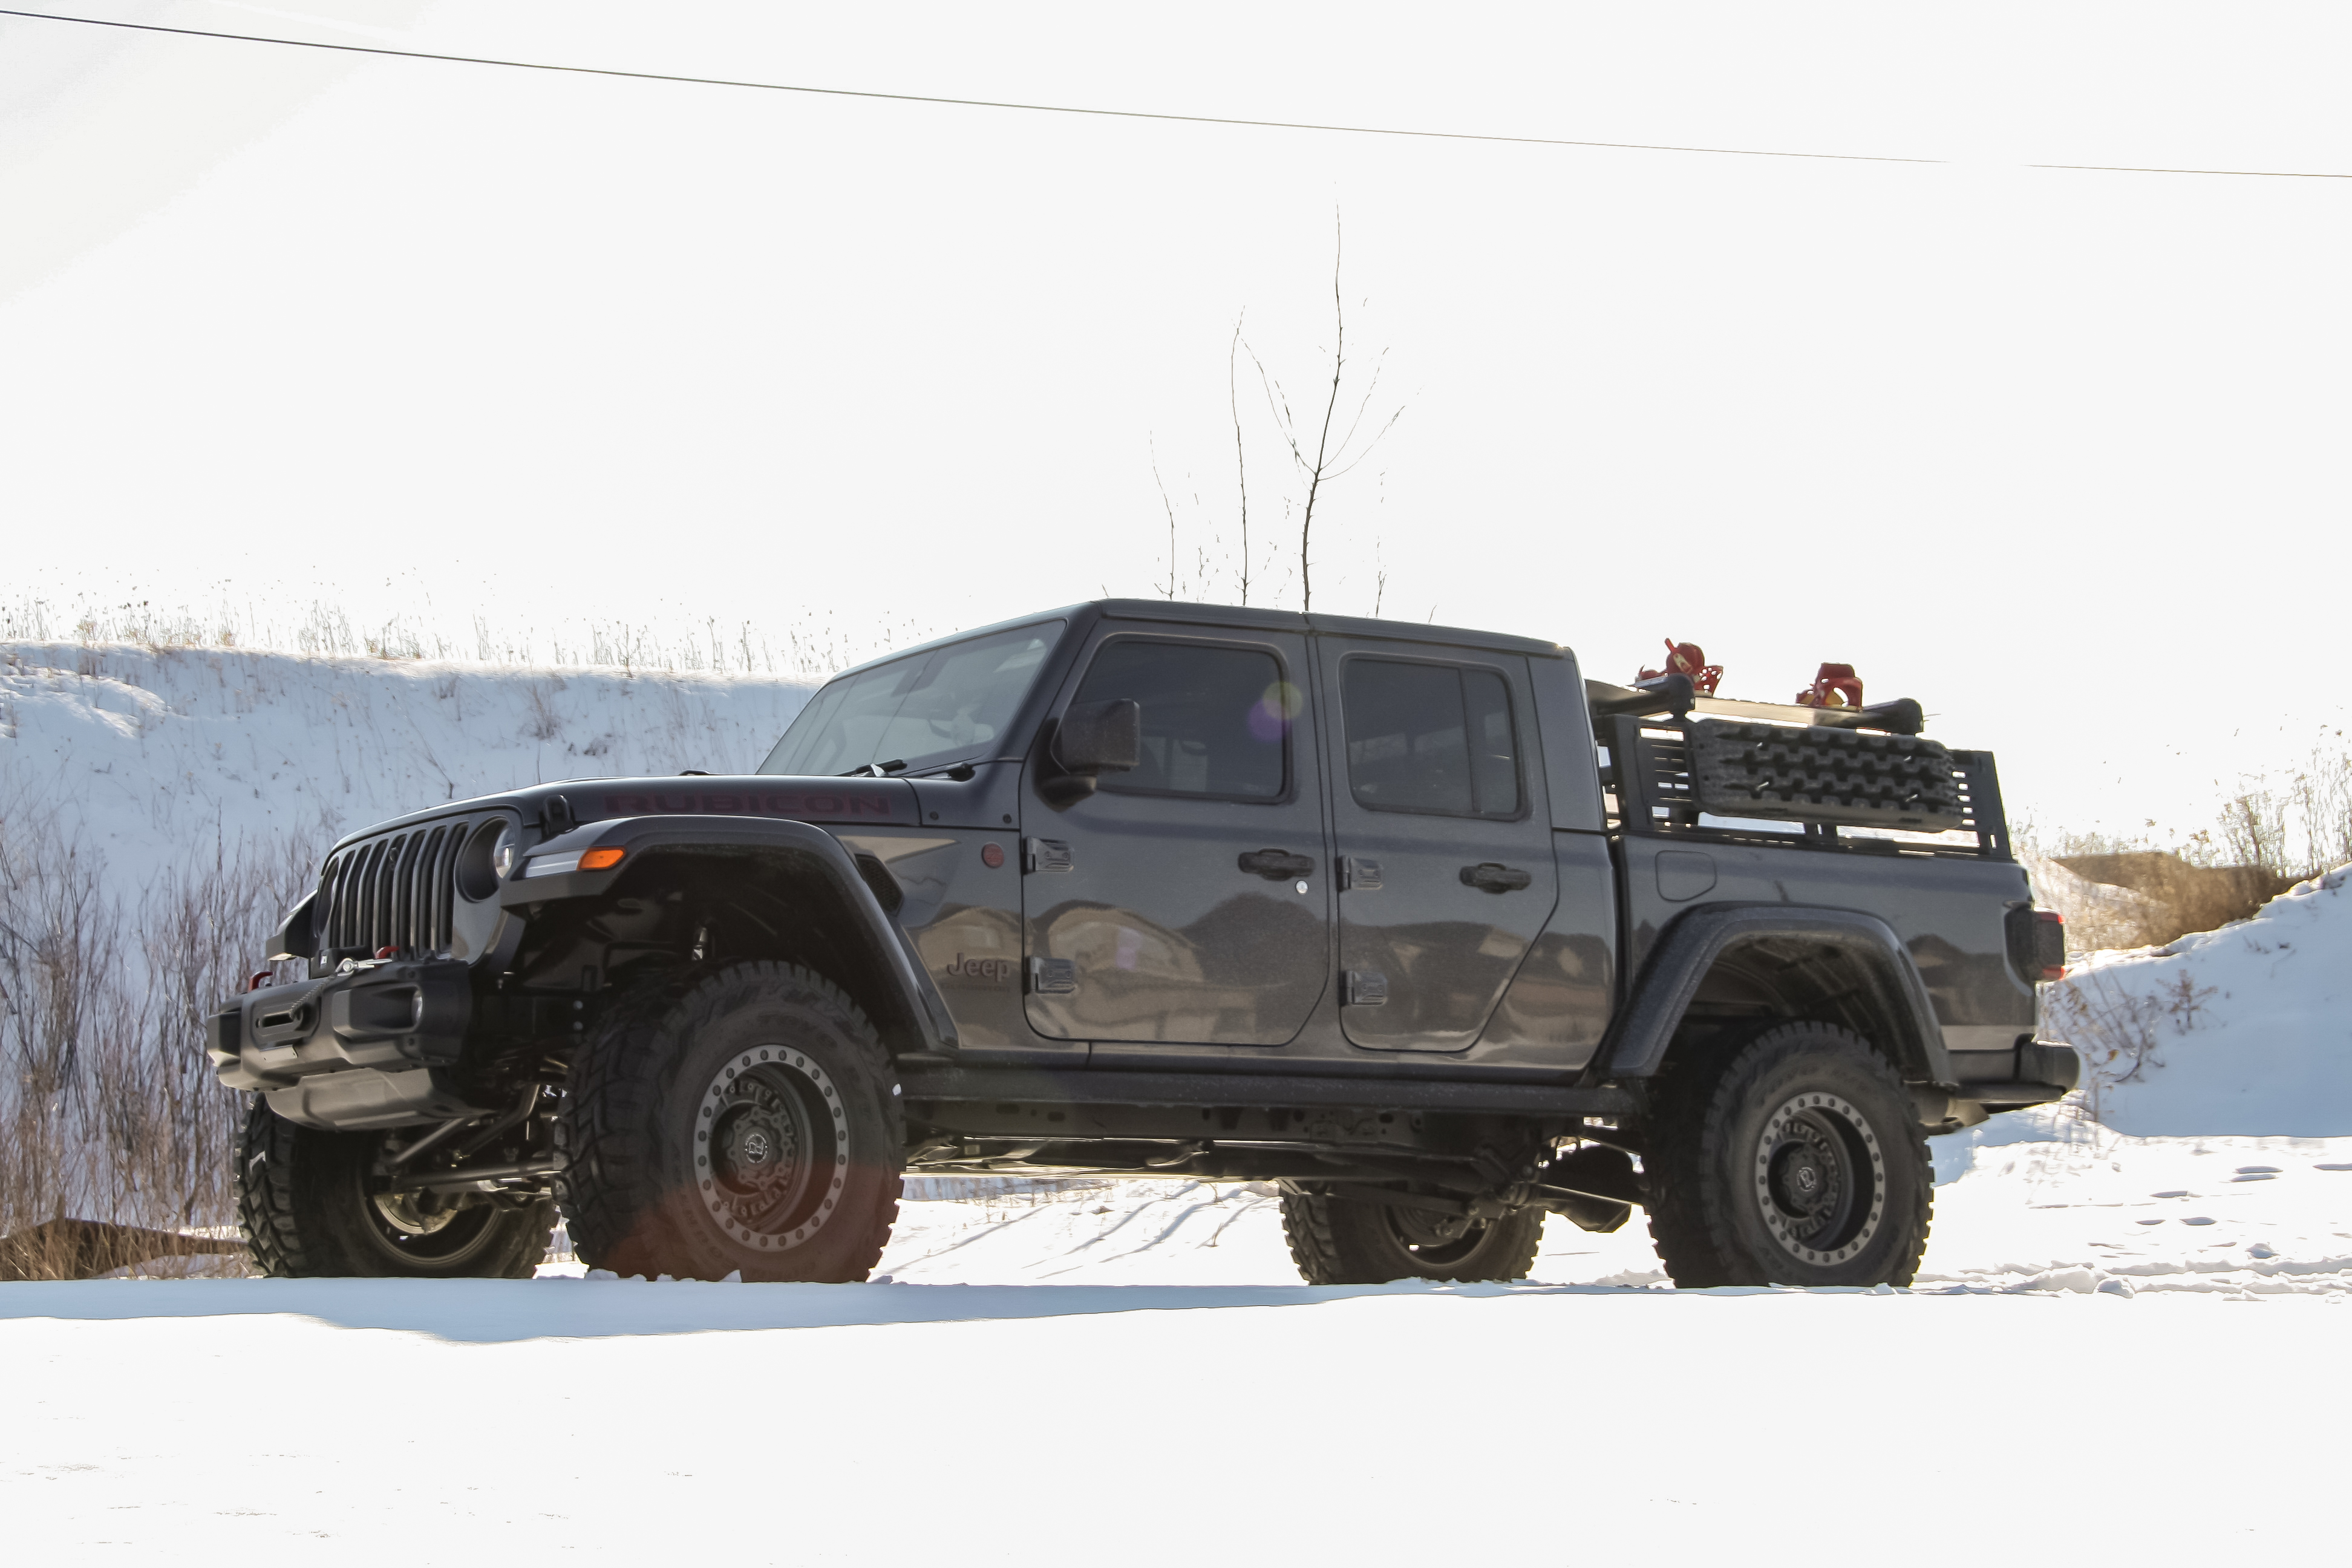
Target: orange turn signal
{"x": 600, "y": 860}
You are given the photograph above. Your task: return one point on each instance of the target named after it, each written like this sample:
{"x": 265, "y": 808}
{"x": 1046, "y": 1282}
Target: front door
{"x": 1443, "y": 842}
{"x": 1187, "y": 900}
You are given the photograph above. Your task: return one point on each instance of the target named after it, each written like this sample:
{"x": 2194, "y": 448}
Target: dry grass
{"x": 2117, "y": 1029}
{"x": 109, "y": 1110}
{"x": 814, "y": 644}
{"x": 2272, "y": 834}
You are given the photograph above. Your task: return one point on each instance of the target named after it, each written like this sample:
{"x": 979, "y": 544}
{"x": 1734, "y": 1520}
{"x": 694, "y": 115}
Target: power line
{"x": 955, "y": 102}
{"x": 1115, "y": 114}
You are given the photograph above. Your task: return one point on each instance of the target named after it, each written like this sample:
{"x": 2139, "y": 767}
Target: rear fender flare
{"x": 644, "y": 838}
{"x": 1698, "y": 938}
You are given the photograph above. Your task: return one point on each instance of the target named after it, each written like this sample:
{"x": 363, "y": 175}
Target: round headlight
{"x": 488, "y": 859}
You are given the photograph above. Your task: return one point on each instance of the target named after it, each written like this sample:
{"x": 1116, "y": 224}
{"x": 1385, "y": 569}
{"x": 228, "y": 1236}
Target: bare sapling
{"x": 1332, "y": 460}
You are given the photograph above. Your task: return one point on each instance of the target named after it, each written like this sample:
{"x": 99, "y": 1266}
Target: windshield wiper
{"x": 875, "y": 770}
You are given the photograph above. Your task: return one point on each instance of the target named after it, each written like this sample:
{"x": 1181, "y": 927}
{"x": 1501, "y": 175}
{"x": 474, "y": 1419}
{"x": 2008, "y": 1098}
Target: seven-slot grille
{"x": 394, "y": 891}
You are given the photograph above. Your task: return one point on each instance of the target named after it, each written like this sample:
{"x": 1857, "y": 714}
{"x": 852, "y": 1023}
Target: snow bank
{"x": 2243, "y": 1031}
{"x": 148, "y": 756}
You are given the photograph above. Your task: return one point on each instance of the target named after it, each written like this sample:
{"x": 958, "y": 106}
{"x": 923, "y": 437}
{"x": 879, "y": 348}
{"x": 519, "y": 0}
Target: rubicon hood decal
{"x": 836, "y": 800}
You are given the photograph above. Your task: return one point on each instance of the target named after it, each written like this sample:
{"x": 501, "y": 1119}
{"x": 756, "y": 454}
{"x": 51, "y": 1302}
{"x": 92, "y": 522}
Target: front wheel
{"x": 317, "y": 1204}
{"x": 749, "y": 1124}
{"x": 1796, "y": 1160}
{"x": 1348, "y": 1241}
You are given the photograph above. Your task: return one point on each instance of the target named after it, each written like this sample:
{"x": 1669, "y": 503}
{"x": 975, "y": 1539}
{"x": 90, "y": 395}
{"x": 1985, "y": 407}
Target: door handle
{"x": 1494, "y": 878}
{"x": 1276, "y": 865}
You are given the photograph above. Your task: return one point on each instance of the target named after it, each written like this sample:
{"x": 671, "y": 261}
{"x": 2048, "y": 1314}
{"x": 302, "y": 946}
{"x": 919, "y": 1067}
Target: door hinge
{"x": 1044, "y": 855}
{"x": 1053, "y": 976}
{"x": 1358, "y": 875}
{"x": 1367, "y": 988}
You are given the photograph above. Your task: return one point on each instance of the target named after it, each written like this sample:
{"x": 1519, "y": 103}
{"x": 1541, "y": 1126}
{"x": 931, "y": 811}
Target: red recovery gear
{"x": 1837, "y": 686}
{"x": 1688, "y": 658}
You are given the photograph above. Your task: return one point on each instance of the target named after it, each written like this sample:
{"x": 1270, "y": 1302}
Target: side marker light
{"x": 600, "y": 860}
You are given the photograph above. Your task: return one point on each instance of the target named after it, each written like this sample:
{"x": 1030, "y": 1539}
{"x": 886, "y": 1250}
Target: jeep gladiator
{"x": 1413, "y": 922}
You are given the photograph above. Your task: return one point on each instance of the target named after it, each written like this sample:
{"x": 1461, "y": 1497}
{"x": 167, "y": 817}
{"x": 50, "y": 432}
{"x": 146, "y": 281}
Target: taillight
{"x": 2050, "y": 943}
{"x": 2037, "y": 944}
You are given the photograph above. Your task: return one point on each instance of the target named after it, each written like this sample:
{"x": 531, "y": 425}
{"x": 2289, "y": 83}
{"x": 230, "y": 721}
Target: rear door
{"x": 1187, "y": 900}
{"x": 1442, "y": 840}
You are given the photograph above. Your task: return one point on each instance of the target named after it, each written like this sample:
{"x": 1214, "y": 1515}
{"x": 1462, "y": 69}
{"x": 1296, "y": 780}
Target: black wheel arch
{"x": 1831, "y": 965}
{"x": 801, "y": 896}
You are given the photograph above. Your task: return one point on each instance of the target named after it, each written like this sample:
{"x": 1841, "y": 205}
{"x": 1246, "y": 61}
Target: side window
{"x": 1215, "y": 720}
{"x": 1430, "y": 738}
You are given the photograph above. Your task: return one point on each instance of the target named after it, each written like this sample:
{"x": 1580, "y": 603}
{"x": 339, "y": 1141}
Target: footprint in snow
{"x": 2149, "y": 1222}
{"x": 2198, "y": 1219}
{"x": 2332, "y": 1167}
{"x": 2258, "y": 1169}
{"x": 2178, "y": 1193}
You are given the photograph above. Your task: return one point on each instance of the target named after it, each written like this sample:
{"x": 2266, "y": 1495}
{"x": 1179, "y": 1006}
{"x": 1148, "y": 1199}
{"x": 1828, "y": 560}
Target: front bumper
{"x": 370, "y": 1045}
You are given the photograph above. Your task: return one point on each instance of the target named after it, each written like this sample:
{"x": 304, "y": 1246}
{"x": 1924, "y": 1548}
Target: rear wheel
{"x": 751, "y": 1124}
{"x": 1796, "y": 1159}
{"x": 1347, "y": 1241}
{"x": 316, "y": 1204}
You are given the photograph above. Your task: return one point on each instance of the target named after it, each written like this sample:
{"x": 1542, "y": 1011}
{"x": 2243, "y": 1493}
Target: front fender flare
{"x": 637, "y": 836}
{"x": 1671, "y": 979}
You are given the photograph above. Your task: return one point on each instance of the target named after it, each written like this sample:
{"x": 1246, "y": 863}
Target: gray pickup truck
{"x": 1413, "y": 922}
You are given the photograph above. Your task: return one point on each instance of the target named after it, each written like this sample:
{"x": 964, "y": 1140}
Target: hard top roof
{"x": 1179, "y": 611}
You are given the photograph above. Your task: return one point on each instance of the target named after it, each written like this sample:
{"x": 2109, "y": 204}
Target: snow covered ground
{"x": 2032, "y": 1204}
{"x": 2125, "y": 1338}
{"x": 150, "y": 756}
{"x": 2244, "y": 1030}
{"x": 593, "y": 1421}
{"x": 2126, "y": 1345}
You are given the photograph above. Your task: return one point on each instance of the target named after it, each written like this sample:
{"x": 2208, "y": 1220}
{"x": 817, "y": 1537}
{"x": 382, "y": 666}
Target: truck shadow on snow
{"x": 498, "y": 1312}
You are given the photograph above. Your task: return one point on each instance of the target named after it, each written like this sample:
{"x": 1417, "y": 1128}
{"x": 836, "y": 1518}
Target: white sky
{"x": 2061, "y": 454}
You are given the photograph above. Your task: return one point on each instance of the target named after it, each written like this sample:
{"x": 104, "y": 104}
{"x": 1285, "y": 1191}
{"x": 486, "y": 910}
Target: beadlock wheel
{"x": 747, "y": 1125}
{"x": 772, "y": 1149}
{"x": 1820, "y": 1179}
{"x": 1795, "y": 1156}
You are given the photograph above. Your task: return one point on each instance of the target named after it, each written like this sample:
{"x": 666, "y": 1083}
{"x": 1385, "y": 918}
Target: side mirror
{"x": 1100, "y": 738}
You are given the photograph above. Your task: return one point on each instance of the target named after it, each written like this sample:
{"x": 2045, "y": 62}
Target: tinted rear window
{"x": 1430, "y": 738}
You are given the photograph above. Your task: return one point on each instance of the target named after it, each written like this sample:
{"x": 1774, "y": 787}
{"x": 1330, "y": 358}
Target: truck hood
{"x": 870, "y": 801}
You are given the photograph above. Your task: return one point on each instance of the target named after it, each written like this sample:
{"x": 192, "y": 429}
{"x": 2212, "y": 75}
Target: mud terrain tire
{"x": 1343, "y": 1241}
{"x": 303, "y": 1197}
{"x": 749, "y": 1124}
{"x": 1794, "y": 1158}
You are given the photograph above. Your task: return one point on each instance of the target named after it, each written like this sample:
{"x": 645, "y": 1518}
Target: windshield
{"x": 948, "y": 705}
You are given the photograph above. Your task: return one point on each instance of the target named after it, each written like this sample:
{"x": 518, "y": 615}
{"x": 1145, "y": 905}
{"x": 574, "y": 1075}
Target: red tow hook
{"x": 386, "y": 952}
{"x": 260, "y": 978}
